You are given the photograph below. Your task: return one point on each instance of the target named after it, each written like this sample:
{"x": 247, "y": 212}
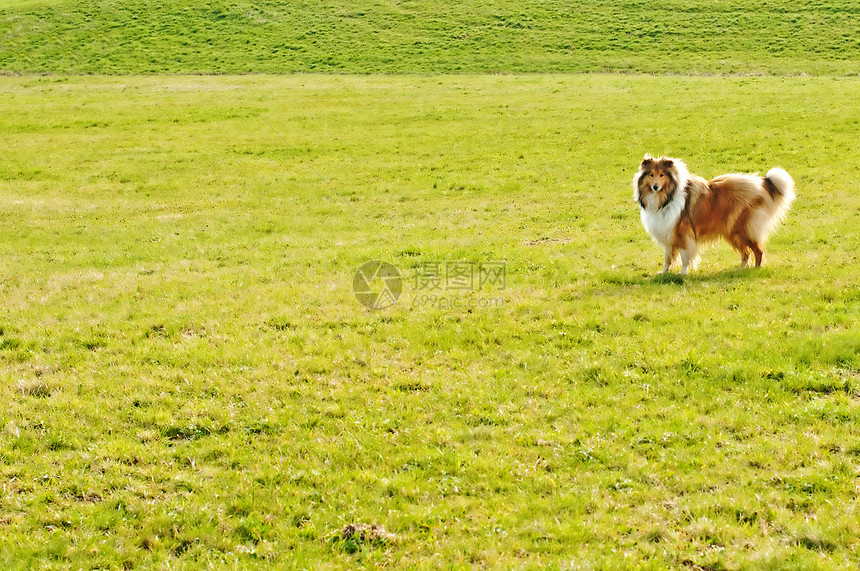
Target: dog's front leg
{"x": 688, "y": 256}
{"x": 685, "y": 262}
{"x": 667, "y": 260}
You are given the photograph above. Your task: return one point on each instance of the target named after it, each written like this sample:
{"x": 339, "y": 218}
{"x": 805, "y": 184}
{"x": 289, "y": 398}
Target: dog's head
{"x": 656, "y": 174}
{"x": 657, "y": 180}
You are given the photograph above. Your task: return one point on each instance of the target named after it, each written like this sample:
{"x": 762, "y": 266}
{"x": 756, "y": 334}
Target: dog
{"x": 681, "y": 211}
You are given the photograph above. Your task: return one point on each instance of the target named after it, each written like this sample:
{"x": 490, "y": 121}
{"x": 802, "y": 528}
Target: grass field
{"x": 420, "y": 36}
{"x": 190, "y": 380}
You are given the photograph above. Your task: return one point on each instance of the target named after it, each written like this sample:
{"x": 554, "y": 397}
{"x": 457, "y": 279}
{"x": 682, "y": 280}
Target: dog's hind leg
{"x": 743, "y": 245}
{"x": 758, "y": 253}
{"x": 758, "y": 227}
{"x": 749, "y": 248}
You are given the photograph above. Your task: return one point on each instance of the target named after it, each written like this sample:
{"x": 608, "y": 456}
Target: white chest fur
{"x": 661, "y": 223}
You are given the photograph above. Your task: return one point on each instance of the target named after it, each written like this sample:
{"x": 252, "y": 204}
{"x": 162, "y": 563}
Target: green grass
{"x": 420, "y": 36}
{"x": 189, "y": 381}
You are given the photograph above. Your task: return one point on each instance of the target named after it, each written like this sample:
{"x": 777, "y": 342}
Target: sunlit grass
{"x": 788, "y": 37}
{"x": 189, "y": 378}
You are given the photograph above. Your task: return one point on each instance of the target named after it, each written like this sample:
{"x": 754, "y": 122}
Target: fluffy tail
{"x": 782, "y": 188}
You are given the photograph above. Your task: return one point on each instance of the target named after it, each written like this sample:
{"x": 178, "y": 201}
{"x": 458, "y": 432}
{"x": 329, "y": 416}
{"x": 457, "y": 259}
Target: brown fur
{"x": 740, "y": 208}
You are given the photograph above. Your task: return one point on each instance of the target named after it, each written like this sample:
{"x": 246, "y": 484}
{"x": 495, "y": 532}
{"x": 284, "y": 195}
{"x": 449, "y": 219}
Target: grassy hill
{"x": 189, "y": 380}
{"x": 424, "y": 36}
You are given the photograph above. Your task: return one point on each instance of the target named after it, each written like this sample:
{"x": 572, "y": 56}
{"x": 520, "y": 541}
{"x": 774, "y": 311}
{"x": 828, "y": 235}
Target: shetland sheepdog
{"x": 683, "y": 211}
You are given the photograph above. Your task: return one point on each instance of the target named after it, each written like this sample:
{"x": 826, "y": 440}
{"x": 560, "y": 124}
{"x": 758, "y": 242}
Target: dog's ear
{"x": 647, "y": 159}
{"x": 668, "y": 163}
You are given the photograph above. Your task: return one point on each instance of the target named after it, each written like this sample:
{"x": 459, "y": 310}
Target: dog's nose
{"x": 655, "y": 187}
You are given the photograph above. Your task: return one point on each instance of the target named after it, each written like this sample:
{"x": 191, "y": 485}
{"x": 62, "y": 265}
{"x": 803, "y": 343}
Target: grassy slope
{"x": 421, "y": 36}
{"x": 188, "y": 378}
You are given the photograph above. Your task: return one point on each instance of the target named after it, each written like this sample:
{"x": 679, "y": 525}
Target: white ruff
{"x": 661, "y": 224}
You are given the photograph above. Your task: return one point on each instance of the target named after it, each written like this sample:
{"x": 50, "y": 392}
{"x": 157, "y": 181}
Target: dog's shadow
{"x": 722, "y": 277}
